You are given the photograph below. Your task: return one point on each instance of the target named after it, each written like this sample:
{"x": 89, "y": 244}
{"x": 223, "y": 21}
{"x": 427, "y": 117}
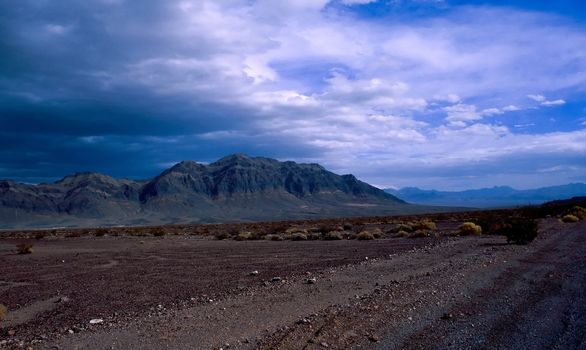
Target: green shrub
{"x": 3, "y": 312}
{"x": 570, "y": 218}
{"x": 469, "y": 228}
{"x": 100, "y": 232}
{"x": 24, "y": 248}
{"x": 159, "y": 232}
{"x": 222, "y": 235}
{"x": 521, "y": 230}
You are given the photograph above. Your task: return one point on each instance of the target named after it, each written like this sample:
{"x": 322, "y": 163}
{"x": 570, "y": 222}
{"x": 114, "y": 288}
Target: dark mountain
{"x": 489, "y": 197}
{"x": 235, "y": 188}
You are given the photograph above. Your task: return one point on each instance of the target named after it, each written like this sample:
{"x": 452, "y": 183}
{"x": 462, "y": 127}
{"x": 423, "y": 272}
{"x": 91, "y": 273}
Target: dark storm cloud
{"x": 65, "y": 75}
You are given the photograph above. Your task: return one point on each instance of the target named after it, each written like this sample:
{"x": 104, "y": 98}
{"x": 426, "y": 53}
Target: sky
{"x": 443, "y": 94}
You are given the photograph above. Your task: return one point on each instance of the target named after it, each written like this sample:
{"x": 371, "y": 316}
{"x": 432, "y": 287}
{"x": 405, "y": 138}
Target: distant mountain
{"x": 235, "y": 188}
{"x": 489, "y": 197}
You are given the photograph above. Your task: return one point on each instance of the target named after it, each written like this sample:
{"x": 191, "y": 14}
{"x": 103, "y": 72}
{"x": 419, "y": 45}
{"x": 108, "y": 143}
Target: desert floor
{"x": 188, "y": 292}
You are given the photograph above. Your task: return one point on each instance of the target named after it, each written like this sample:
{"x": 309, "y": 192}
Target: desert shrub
{"x": 365, "y": 235}
{"x": 425, "y": 225}
{"x": 333, "y": 235}
{"x": 420, "y": 234}
{"x": 292, "y": 230}
{"x": 158, "y": 232}
{"x": 3, "y": 312}
{"x": 40, "y": 235}
{"x": 278, "y": 228}
{"x": 222, "y": 235}
{"x": 570, "y": 218}
{"x": 407, "y": 227}
{"x": 402, "y": 234}
{"x": 377, "y": 232}
{"x": 325, "y": 228}
{"x": 521, "y": 230}
{"x": 578, "y": 212}
{"x": 298, "y": 236}
{"x": 274, "y": 237}
{"x": 101, "y": 232}
{"x": 314, "y": 236}
{"x": 243, "y": 236}
{"x": 469, "y": 228}
{"x": 24, "y": 248}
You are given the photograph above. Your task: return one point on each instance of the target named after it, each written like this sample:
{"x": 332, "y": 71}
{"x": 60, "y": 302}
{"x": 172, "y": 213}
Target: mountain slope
{"x": 489, "y": 197}
{"x": 234, "y": 188}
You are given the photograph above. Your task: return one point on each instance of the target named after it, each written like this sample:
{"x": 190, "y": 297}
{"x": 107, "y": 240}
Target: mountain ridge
{"x": 234, "y": 188}
{"x": 498, "y": 196}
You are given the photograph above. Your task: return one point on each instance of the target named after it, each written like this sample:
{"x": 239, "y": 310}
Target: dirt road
{"x": 178, "y": 293}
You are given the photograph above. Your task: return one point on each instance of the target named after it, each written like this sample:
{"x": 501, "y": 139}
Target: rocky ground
{"x": 179, "y": 292}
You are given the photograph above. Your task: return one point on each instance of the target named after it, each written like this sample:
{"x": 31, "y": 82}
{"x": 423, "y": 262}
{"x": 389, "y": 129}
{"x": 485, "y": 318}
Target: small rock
{"x": 447, "y": 316}
{"x": 373, "y": 338}
{"x": 11, "y": 332}
{"x": 324, "y": 344}
{"x": 311, "y": 280}
{"x": 303, "y": 321}
{"x": 70, "y": 331}
{"x": 276, "y": 279}
{"x": 96, "y": 321}
{"x": 253, "y": 273}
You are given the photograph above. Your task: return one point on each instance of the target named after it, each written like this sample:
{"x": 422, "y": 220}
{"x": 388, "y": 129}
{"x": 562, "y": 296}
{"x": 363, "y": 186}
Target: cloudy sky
{"x": 446, "y": 94}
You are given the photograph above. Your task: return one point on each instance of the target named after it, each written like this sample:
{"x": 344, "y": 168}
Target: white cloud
{"x": 537, "y": 98}
{"x": 357, "y": 2}
{"x": 545, "y": 102}
{"x": 553, "y": 103}
{"x": 462, "y": 112}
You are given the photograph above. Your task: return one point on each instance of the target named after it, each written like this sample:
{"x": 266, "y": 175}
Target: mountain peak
{"x": 236, "y": 187}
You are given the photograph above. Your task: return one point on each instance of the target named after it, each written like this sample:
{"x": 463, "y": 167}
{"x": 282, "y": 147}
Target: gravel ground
{"x": 184, "y": 292}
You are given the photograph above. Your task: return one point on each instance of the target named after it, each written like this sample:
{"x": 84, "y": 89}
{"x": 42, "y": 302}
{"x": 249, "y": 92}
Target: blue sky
{"x": 438, "y": 94}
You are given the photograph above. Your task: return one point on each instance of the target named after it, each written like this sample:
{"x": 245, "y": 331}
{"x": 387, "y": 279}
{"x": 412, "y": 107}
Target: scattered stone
{"x": 97, "y": 320}
{"x": 447, "y": 316}
{"x": 324, "y": 344}
{"x": 373, "y": 338}
{"x": 303, "y": 321}
{"x": 311, "y": 280}
{"x": 253, "y": 273}
{"x": 276, "y": 279}
{"x": 63, "y": 300}
{"x": 70, "y": 331}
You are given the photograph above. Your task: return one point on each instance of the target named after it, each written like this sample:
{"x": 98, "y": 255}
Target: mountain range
{"x": 235, "y": 188}
{"x": 494, "y": 197}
